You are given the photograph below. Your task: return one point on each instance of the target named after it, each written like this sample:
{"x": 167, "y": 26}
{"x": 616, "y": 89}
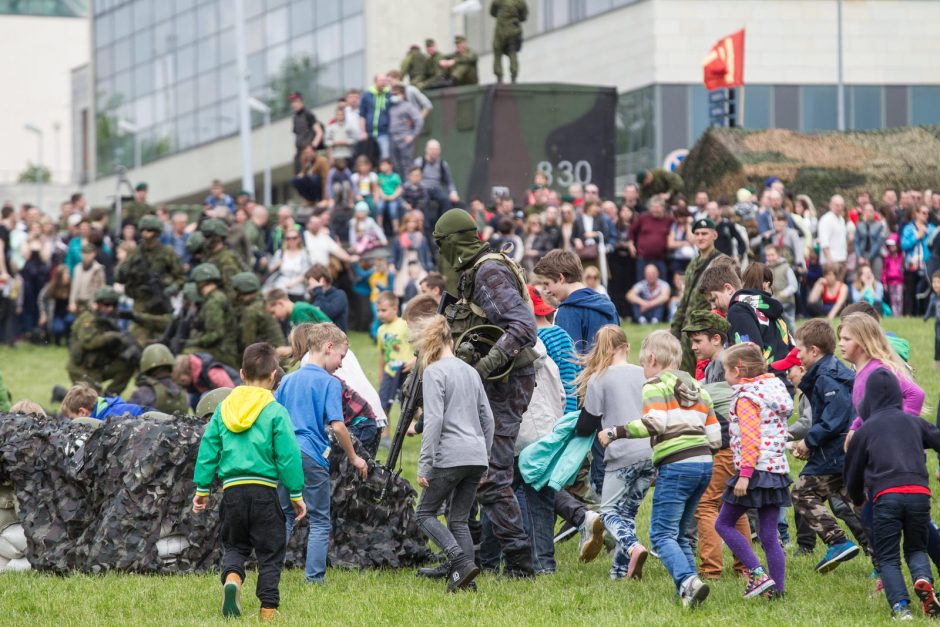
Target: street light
{"x": 126, "y": 126}
{"x": 33, "y": 128}
{"x": 256, "y": 105}
{"x": 244, "y": 112}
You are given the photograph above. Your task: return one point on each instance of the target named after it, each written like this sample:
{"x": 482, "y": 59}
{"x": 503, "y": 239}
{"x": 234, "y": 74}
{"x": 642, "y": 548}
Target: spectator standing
{"x": 340, "y": 139}
{"x": 374, "y": 119}
{"x": 437, "y": 179}
{"x": 870, "y": 234}
{"x": 87, "y": 279}
{"x": 175, "y": 235}
{"x": 307, "y": 130}
{"x": 404, "y": 125}
{"x": 833, "y": 235}
{"x": 288, "y": 267}
{"x": 650, "y": 237}
{"x": 914, "y": 243}
{"x": 621, "y": 260}
{"x": 892, "y": 275}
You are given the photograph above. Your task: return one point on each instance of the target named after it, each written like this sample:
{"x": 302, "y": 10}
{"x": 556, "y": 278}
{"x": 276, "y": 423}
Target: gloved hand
{"x": 493, "y": 361}
{"x": 126, "y": 315}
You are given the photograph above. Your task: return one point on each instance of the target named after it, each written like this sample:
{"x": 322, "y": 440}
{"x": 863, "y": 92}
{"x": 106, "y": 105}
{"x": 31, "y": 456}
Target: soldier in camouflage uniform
{"x": 507, "y": 38}
{"x": 151, "y": 275}
{"x": 693, "y": 300}
{"x": 491, "y": 290}
{"x": 654, "y": 182}
{"x": 213, "y": 330}
{"x": 432, "y": 68}
{"x": 136, "y": 210}
{"x": 155, "y": 387}
{"x": 215, "y": 252}
{"x": 98, "y": 351}
{"x": 254, "y": 322}
{"x": 413, "y": 65}
{"x": 180, "y": 327}
{"x": 194, "y": 247}
{"x": 460, "y": 66}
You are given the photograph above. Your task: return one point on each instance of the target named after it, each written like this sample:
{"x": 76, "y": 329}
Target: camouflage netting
{"x": 119, "y": 497}
{"x": 818, "y": 164}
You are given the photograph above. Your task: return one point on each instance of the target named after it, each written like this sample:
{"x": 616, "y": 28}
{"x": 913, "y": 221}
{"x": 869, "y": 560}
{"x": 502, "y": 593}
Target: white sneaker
{"x": 592, "y": 536}
{"x": 654, "y": 320}
{"x": 693, "y": 591}
{"x": 642, "y": 320}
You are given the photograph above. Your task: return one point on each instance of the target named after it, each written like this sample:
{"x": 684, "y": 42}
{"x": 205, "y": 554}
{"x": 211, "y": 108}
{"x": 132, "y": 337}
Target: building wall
{"x": 38, "y": 90}
{"x": 393, "y": 25}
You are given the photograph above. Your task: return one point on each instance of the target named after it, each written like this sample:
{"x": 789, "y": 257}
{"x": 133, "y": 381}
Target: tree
{"x": 296, "y": 74}
{"x": 33, "y": 172}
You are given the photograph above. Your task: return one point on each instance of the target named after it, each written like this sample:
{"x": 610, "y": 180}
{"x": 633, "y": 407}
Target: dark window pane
{"x": 925, "y": 105}
{"x": 636, "y": 123}
{"x": 700, "y": 115}
{"x": 819, "y": 108}
{"x": 863, "y": 107}
{"x": 757, "y": 106}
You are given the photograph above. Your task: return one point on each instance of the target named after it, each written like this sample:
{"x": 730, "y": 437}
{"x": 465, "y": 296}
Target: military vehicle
{"x": 500, "y": 135}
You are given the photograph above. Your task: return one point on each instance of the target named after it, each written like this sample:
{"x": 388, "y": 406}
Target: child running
{"x": 612, "y": 390}
{"x": 760, "y": 410}
{"x": 679, "y": 420}
{"x": 455, "y": 448}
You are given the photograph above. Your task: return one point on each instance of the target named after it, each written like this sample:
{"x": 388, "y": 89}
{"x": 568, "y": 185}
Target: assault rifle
{"x": 411, "y": 399}
{"x": 150, "y": 288}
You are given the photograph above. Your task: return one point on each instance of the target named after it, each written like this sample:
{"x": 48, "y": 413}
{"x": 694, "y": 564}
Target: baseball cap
{"x": 792, "y": 359}
{"x": 703, "y": 223}
{"x": 538, "y": 303}
{"x": 294, "y": 95}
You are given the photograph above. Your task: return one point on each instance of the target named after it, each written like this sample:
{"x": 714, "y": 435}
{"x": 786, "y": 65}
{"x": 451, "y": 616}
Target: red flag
{"x": 724, "y": 64}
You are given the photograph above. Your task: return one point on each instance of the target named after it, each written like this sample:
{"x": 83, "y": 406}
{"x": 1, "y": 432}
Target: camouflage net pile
{"x": 817, "y": 164}
{"x": 119, "y": 497}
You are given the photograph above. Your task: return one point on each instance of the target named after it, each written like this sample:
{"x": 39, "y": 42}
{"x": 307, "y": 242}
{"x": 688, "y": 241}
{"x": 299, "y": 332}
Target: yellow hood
{"x": 243, "y": 406}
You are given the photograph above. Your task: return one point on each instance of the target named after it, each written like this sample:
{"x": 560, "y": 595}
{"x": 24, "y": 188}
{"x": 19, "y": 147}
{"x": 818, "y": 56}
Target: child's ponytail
{"x": 609, "y": 339}
{"x": 430, "y": 340}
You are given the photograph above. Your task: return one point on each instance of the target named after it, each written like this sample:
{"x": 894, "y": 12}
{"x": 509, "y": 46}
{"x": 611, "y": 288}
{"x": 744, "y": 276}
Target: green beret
{"x": 705, "y": 320}
{"x": 107, "y": 295}
{"x": 141, "y": 187}
{"x": 703, "y": 223}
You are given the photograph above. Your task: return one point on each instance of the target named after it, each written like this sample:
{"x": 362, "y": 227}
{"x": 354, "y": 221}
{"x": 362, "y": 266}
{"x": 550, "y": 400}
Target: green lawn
{"x": 576, "y": 594}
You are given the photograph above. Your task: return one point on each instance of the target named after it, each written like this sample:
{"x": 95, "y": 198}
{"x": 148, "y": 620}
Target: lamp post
{"x": 126, "y": 126}
{"x": 265, "y": 111}
{"x": 33, "y": 128}
{"x": 244, "y": 113}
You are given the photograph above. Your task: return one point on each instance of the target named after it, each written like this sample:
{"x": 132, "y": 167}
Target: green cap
{"x": 141, "y": 187}
{"x": 703, "y": 223}
{"x": 705, "y": 320}
{"x": 150, "y": 223}
{"x": 195, "y": 242}
{"x": 206, "y": 272}
{"x": 107, "y": 295}
{"x": 210, "y": 400}
{"x": 214, "y": 226}
{"x": 246, "y": 283}
{"x": 640, "y": 175}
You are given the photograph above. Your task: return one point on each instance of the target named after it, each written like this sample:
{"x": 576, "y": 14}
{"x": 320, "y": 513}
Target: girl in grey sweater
{"x": 458, "y": 433}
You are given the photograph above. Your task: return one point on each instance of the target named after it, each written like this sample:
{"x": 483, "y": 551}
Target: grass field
{"x": 576, "y": 594}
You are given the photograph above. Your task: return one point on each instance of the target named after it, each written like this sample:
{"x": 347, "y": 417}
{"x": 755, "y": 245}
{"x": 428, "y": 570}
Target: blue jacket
{"x": 828, "y": 386}
{"x": 909, "y": 241}
{"x": 555, "y": 459}
{"x": 115, "y": 406}
{"x": 582, "y": 314}
{"x": 373, "y": 108}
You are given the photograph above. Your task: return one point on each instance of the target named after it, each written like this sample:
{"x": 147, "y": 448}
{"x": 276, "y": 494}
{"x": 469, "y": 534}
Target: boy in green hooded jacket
{"x": 250, "y": 443}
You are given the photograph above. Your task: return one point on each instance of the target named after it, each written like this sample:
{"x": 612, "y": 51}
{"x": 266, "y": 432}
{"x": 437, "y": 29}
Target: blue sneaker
{"x": 837, "y": 554}
{"x": 901, "y": 611}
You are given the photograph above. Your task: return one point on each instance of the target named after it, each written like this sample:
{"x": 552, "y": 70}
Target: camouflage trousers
{"x": 508, "y": 400}
{"x": 810, "y": 493}
{"x": 119, "y": 374}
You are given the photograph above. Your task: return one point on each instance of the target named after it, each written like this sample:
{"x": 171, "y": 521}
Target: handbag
{"x": 588, "y": 252}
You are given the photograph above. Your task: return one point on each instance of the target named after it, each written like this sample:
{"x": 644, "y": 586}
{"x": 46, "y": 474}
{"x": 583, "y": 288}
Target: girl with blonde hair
{"x": 612, "y": 390}
{"x": 455, "y": 444}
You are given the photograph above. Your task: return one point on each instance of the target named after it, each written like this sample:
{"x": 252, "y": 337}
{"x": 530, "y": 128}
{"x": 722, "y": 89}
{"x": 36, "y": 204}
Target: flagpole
{"x": 741, "y": 105}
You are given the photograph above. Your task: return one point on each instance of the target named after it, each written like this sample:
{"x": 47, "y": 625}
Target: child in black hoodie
{"x": 885, "y": 462}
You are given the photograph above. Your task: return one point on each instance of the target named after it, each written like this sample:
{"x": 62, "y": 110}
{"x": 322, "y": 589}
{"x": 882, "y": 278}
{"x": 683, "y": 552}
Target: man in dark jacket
{"x": 332, "y": 301}
{"x": 307, "y": 131}
{"x": 828, "y": 386}
{"x": 885, "y": 464}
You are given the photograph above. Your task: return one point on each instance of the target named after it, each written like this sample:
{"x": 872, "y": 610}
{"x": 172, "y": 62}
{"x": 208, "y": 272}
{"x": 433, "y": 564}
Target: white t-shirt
{"x": 320, "y": 247}
{"x": 833, "y": 235}
{"x": 351, "y": 372}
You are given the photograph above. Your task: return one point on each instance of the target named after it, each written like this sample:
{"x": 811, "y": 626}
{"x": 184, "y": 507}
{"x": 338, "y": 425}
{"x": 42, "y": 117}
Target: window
{"x": 207, "y": 53}
{"x": 186, "y": 62}
{"x": 925, "y": 105}
{"x": 757, "y": 99}
{"x": 208, "y": 18}
{"x": 328, "y": 44}
{"x": 636, "y": 133}
{"x": 185, "y": 28}
{"x": 276, "y": 26}
{"x": 819, "y": 108}
{"x": 143, "y": 45}
{"x": 863, "y": 107}
{"x": 301, "y": 17}
{"x": 143, "y": 12}
{"x": 699, "y": 106}
{"x": 353, "y": 71}
{"x": 327, "y": 12}
{"x": 353, "y": 32}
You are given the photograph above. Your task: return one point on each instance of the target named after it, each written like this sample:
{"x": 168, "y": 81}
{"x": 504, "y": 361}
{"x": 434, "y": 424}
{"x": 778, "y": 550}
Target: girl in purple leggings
{"x": 758, "y": 428}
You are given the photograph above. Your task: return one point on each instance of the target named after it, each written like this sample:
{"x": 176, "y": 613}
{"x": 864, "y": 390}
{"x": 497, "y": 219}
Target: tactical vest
{"x": 466, "y": 314}
{"x": 167, "y": 399}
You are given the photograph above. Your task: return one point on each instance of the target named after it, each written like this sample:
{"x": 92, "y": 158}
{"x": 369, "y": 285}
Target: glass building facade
{"x": 45, "y": 8}
{"x": 169, "y": 67}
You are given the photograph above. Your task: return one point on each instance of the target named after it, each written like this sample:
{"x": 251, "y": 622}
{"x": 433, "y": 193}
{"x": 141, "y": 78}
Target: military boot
{"x": 232, "y": 595}
{"x": 268, "y": 613}
{"x": 518, "y": 564}
{"x": 437, "y": 572}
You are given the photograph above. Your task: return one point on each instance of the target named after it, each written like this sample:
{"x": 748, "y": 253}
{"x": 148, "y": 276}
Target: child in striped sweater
{"x": 679, "y": 420}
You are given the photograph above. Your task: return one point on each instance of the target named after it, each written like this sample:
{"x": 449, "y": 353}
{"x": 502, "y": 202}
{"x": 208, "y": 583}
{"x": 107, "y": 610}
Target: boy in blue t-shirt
{"x": 314, "y": 398}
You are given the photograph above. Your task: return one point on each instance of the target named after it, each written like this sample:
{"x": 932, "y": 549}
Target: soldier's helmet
{"x": 150, "y": 223}
{"x": 210, "y": 400}
{"x": 246, "y": 283}
{"x": 206, "y": 272}
{"x": 107, "y": 296}
{"x": 214, "y": 227}
{"x": 195, "y": 242}
{"x": 191, "y": 293}
{"x": 154, "y": 356}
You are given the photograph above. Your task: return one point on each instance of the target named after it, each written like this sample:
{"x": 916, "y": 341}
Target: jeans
{"x": 624, "y": 489}
{"x": 454, "y": 539}
{"x": 896, "y": 514}
{"x": 251, "y": 519}
{"x": 385, "y": 146}
{"x": 538, "y": 518}
{"x": 317, "y": 497}
{"x": 367, "y": 432}
{"x": 658, "y": 312}
{"x": 678, "y": 489}
{"x": 438, "y": 205}
{"x": 598, "y": 467}
{"x": 388, "y": 211}
{"x": 388, "y": 388}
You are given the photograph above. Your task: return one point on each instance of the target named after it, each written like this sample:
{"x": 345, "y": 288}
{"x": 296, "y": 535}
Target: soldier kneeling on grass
{"x": 155, "y": 386}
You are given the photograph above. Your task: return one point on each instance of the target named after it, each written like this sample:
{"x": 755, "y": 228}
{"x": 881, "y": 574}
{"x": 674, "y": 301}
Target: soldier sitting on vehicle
{"x": 98, "y": 350}
{"x": 155, "y": 386}
{"x": 213, "y": 328}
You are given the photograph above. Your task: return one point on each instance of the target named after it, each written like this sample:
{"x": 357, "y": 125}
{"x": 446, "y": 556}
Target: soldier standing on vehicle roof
{"x": 491, "y": 291}
{"x": 507, "y": 37}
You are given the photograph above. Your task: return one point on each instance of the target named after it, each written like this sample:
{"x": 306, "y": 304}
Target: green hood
{"x": 456, "y": 235}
